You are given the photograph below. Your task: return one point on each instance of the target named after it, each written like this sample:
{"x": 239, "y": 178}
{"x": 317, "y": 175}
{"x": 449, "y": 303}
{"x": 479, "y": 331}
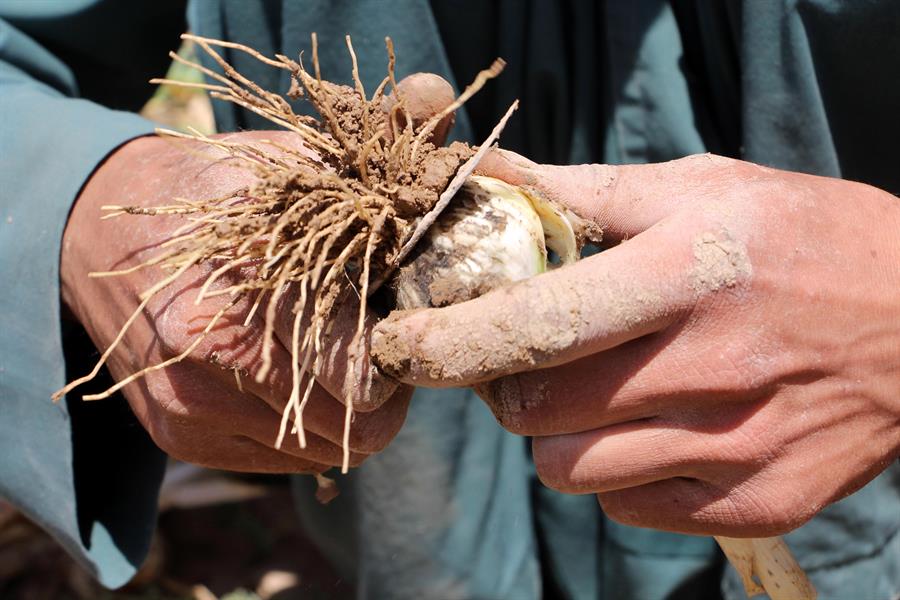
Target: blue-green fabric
{"x": 90, "y": 475}
{"x": 445, "y": 512}
{"x": 452, "y": 509}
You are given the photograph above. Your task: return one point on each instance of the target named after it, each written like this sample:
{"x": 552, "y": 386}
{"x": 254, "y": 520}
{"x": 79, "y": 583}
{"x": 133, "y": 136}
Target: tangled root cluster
{"x": 330, "y": 215}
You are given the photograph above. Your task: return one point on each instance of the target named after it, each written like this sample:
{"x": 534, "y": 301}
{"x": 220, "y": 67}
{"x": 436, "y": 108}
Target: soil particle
{"x": 348, "y": 108}
{"x": 510, "y": 396}
{"x": 452, "y": 289}
{"x": 719, "y": 262}
{"x": 440, "y": 165}
{"x": 326, "y": 490}
{"x": 295, "y": 92}
{"x": 433, "y": 171}
{"x": 606, "y": 175}
{"x": 585, "y": 230}
{"x": 393, "y": 355}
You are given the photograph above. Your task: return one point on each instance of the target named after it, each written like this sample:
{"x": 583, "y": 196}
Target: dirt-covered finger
{"x": 623, "y": 200}
{"x": 370, "y": 432}
{"x": 322, "y": 414}
{"x": 636, "y": 380}
{"x": 634, "y": 289}
{"x": 233, "y": 367}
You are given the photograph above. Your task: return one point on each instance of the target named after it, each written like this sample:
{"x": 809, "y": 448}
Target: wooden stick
{"x": 766, "y": 565}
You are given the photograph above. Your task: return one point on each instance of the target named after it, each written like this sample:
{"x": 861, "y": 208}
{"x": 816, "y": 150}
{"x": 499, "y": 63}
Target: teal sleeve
{"x": 88, "y": 474}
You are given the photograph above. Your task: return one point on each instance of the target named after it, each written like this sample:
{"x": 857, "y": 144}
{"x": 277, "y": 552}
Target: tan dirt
{"x": 515, "y": 339}
{"x": 429, "y": 177}
{"x": 719, "y": 262}
{"x": 451, "y": 289}
{"x": 388, "y": 350}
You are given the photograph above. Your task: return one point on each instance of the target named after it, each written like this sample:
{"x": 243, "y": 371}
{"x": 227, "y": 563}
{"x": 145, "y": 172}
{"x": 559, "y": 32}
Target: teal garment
{"x": 452, "y": 508}
{"x": 88, "y": 473}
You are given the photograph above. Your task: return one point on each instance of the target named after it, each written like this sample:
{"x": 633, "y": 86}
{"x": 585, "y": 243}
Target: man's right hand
{"x": 198, "y": 409}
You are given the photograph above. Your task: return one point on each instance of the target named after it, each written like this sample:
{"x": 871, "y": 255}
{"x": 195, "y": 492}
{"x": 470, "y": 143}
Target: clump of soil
{"x": 331, "y": 215}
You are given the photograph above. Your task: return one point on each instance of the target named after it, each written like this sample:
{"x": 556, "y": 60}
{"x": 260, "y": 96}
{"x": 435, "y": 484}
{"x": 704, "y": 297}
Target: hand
{"x": 208, "y": 409}
{"x": 730, "y": 366}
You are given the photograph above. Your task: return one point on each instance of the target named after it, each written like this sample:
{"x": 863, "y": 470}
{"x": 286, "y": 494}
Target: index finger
{"x": 623, "y": 200}
{"x": 639, "y": 287}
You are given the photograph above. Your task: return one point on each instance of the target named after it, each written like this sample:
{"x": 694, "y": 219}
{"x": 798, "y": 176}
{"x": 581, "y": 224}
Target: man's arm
{"x": 89, "y": 475}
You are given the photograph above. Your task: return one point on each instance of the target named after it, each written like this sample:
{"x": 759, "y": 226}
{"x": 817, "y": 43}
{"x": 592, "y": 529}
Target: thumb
{"x": 624, "y": 200}
{"x": 424, "y": 95}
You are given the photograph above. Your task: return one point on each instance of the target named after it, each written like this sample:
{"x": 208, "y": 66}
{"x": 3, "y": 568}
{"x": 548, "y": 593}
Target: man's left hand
{"x": 730, "y": 366}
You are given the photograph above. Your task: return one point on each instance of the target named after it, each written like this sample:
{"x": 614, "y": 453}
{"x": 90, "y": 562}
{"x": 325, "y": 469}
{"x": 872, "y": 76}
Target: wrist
{"x": 80, "y": 240}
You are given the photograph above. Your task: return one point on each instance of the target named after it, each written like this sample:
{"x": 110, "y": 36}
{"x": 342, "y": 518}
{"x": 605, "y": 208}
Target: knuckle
{"x": 764, "y": 511}
{"x": 552, "y": 468}
{"x": 171, "y": 327}
{"x": 714, "y": 165}
{"x": 620, "y": 506}
{"x": 747, "y": 447}
{"x": 374, "y": 436}
{"x": 371, "y": 432}
{"x": 173, "y": 442}
{"x": 174, "y": 427}
{"x": 163, "y": 404}
{"x": 708, "y": 158}
{"x": 182, "y": 400}
{"x": 515, "y": 404}
{"x": 748, "y": 362}
{"x": 241, "y": 351}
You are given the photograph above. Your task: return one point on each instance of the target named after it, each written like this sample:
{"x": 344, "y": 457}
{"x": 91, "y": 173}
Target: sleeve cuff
{"x": 89, "y": 475}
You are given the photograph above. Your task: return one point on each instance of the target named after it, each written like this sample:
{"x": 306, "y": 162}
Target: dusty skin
{"x": 720, "y": 262}
{"x": 764, "y": 350}
{"x": 540, "y": 322}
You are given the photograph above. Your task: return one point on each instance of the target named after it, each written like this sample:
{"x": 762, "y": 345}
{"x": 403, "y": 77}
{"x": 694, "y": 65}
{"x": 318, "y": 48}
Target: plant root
{"x": 330, "y": 215}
